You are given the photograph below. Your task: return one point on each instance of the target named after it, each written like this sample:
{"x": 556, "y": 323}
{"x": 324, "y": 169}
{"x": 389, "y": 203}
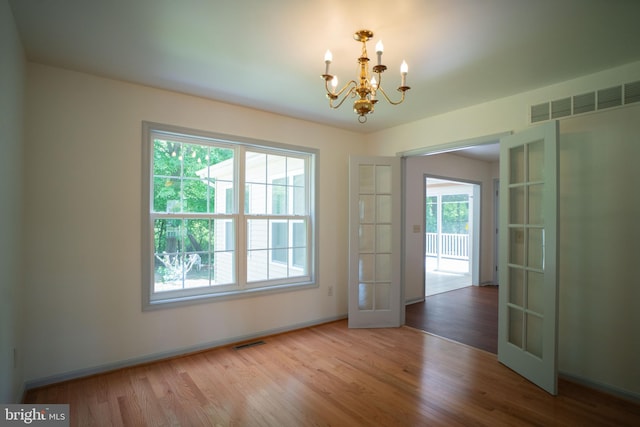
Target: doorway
{"x": 451, "y": 227}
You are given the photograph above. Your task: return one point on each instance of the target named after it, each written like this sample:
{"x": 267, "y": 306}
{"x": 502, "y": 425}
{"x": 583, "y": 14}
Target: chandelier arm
{"x": 346, "y": 95}
{"x": 335, "y": 95}
{"x": 402, "y": 89}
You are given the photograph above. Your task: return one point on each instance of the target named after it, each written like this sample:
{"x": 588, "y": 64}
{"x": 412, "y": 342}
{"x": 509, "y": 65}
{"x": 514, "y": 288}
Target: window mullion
{"x": 241, "y": 219}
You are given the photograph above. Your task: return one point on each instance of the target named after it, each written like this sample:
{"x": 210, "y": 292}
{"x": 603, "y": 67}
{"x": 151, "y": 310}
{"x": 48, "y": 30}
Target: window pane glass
{"x": 166, "y": 194}
{"x": 432, "y": 214}
{"x": 257, "y": 234}
{"x": 167, "y": 158}
{"x": 195, "y": 196}
{"x": 455, "y": 213}
{"x": 219, "y": 175}
{"x": 299, "y": 252}
{"x": 255, "y": 199}
{"x": 185, "y": 176}
{"x": 257, "y": 265}
{"x": 299, "y": 195}
{"x": 279, "y": 241}
{"x": 276, "y": 167}
{"x": 194, "y": 159}
{"x": 277, "y": 197}
{"x": 256, "y": 168}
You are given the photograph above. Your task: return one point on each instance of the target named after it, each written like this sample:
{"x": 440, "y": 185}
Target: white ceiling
{"x": 269, "y": 54}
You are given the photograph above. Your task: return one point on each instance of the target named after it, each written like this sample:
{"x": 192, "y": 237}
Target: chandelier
{"x": 366, "y": 88}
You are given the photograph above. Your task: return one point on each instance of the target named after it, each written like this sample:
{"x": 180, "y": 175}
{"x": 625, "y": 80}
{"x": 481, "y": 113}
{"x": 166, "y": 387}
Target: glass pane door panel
{"x": 383, "y": 268}
{"x": 383, "y": 296}
{"x": 516, "y": 161}
{"x": 534, "y": 335}
{"x": 366, "y": 207}
{"x": 383, "y": 209}
{"x": 516, "y": 246}
{"x": 516, "y": 286}
{"x": 367, "y": 179}
{"x": 367, "y": 238}
{"x": 516, "y": 201}
{"x": 383, "y": 238}
{"x": 535, "y": 155}
{"x": 383, "y": 179}
{"x": 535, "y": 292}
{"x": 366, "y": 267}
{"x": 535, "y": 248}
{"x": 365, "y": 296}
{"x": 515, "y": 327}
{"x": 535, "y": 204}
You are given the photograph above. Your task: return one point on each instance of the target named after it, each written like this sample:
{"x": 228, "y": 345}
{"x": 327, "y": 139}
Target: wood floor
{"x": 468, "y": 315}
{"x": 331, "y": 375}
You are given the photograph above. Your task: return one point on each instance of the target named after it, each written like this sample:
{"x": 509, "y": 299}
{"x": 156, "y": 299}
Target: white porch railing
{"x": 451, "y": 245}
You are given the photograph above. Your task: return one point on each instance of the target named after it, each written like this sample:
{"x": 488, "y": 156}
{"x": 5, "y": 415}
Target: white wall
{"x": 599, "y": 248}
{"x": 454, "y": 167}
{"x": 12, "y": 64}
{"x": 599, "y": 325}
{"x": 82, "y": 217}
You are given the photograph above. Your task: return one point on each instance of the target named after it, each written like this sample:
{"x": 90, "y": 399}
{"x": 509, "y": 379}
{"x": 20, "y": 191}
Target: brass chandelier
{"x": 366, "y": 88}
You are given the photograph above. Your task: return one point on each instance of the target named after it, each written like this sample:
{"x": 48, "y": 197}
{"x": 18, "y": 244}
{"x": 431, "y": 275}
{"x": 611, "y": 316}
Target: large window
{"x": 224, "y": 216}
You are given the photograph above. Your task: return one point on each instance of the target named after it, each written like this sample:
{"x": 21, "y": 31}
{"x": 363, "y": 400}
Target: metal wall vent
{"x": 584, "y": 103}
{"x": 540, "y": 112}
{"x": 632, "y": 92}
{"x": 561, "y": 108}
{"x": 611, "y": 97}
{"x": 615, "y": 96}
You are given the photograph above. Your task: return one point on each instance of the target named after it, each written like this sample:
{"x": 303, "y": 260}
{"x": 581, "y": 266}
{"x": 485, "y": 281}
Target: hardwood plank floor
{"x": 468, "y": 315}
{"x": 330, "y": 375}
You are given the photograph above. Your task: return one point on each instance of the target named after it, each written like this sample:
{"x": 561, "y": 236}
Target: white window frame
{"x": 241, "y": 286}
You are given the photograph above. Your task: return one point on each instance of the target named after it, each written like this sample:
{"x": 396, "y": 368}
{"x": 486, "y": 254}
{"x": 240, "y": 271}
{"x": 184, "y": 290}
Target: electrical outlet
{"x": 330, "y": 292}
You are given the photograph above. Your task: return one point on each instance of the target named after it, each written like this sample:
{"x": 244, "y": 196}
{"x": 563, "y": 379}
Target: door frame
{"x": 436, "y": 149}
{"x": 475, "y": 209}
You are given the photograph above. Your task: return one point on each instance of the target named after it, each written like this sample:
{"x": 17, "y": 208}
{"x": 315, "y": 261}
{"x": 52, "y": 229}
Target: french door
{"x": 528, "y": 293}
{"x": 375, "y": 292}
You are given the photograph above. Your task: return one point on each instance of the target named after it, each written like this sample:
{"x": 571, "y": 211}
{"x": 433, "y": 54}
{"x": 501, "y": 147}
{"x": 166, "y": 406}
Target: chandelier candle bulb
{"x": 374, "y": 86}
{"x": 379, "y": 50}
{"x": 334, "y": 84}
{"x": 404, "y": 68}
{"x": 328, "y": 57}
